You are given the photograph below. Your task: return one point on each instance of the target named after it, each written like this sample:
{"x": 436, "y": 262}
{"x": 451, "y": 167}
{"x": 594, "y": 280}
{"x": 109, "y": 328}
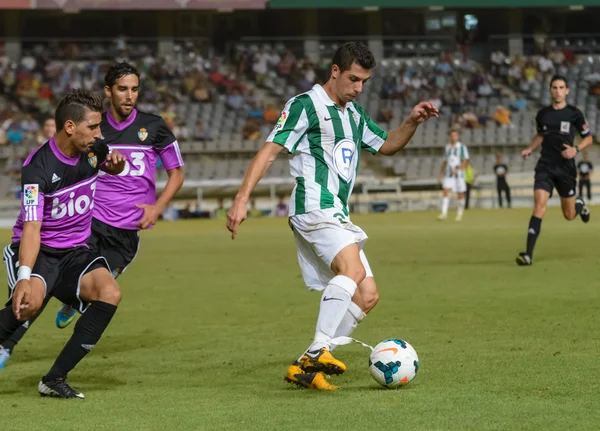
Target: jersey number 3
{"x": 139, "y": 167}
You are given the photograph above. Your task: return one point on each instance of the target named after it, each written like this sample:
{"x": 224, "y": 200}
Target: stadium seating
{"x": 225, "y": 153}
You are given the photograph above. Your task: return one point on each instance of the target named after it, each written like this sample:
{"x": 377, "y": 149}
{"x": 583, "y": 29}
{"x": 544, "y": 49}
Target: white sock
{"x": 336, "y": 299}
{"x": 445, "y": 204}
{"x": 351, "y": 319}
{"x": 461, "y": 206}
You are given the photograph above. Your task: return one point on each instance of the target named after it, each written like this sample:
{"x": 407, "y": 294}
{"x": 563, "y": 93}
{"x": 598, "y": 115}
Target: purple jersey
{"x": 59, "y": 192}
{"x": 143, "y": 138}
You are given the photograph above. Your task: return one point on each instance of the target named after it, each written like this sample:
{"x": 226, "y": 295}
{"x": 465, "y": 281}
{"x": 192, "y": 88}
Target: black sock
{"x": 535, "y": 226}
{"x": 8, "y": 324}
{"x": 88, "y": 330}
{"x": 16, "y": 336}
{"x": 578, "y": 205}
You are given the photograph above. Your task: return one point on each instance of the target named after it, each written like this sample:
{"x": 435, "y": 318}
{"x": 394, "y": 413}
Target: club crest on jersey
{"x": 92, "y": 160}
{"x": 142, "y": 134}
{"x": 344, "y": 159}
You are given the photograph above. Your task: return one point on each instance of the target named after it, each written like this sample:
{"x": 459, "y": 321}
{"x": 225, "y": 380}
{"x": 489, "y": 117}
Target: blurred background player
{"x": 48, "y": 255}
{"x": 452, "y": 175}
{"x": 469, "y": 181}
{"x": 500, "y": 169}
{"x": 585, "y": 168}
{"x": 143, "y": 139}
{"x": 324, "y": 130}
{"x": 556, "y": 126}
{"x": 47, "y": 131}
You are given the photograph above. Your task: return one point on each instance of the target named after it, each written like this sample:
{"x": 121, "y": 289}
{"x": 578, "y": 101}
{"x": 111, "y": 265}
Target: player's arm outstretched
{"x": 398, "y": 138}
{"x": 289, "y": 130}
{"x": 257, "y": 169}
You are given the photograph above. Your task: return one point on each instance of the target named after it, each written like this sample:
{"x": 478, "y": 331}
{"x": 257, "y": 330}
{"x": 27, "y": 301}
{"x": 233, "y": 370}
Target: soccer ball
{"x": 393, "y": 363}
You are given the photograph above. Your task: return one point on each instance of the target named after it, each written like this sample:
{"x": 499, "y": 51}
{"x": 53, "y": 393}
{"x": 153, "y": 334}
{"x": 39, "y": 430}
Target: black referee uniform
{"x": 558, "y": 127}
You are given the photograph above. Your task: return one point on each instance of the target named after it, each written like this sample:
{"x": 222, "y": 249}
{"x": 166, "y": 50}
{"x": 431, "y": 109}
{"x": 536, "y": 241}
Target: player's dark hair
{"x": 119, "y": 70}
{"x": 353, "y": 52}
{"x": 559, "y": 78}
{"x": 75, "y": 105}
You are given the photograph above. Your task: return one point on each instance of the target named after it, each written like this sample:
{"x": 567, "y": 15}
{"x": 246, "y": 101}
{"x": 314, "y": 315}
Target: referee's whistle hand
{"x": 569, "y": 152}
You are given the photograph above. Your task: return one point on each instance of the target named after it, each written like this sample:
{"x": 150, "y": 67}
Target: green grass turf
{"x": 208, "y": 326}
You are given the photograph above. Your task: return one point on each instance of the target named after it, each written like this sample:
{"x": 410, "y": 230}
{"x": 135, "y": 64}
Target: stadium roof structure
{"x": 132, "y": 4}
{"x": 349, "y": 4}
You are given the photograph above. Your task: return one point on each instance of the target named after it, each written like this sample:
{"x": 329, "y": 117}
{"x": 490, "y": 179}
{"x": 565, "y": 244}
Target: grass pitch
{"x": 208, "y": 326}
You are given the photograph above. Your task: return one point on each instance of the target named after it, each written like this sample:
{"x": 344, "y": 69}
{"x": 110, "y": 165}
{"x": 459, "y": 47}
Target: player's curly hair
{"x": 353, "y": 52}
{"x": 75, "y": 105}
{"x": 119, "y": 70}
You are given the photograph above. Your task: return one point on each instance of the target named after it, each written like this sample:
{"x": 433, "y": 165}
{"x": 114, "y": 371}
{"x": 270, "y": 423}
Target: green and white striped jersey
{"x": 324, "y": 142}
{"x": 454, "y": 156}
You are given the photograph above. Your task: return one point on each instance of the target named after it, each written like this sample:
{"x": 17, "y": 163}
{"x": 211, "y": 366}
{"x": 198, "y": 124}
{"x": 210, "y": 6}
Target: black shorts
{"x": 118, "y": 246}
{"x": 549, "y": 176}
{"x": 60, "y": 270}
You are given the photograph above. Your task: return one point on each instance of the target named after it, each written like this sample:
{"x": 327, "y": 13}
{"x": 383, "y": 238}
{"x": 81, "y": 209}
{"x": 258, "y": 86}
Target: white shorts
{"x": 455, "y": 185}
{"x": 320, "y": 236}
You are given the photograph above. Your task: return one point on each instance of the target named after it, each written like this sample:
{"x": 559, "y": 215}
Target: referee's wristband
{"x": 23, "y": 273}
{"x": 577, "y": 148}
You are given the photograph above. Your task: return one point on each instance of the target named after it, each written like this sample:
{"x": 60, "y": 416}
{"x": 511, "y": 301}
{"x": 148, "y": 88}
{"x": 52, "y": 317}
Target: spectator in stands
{"x": 181, "y": 132}
{"x": 3, "y": 138}
{"x": 221, "y": 211}
{"x": 255, "y": 112}
{"x": 519, "y": 104}
{"x": 251, "y": 130}
{"x": 483, "y": 116}
{"x": 287, "y": 63}
{"x": 502, "y": 116}
{"x": 515, "y": 72}
{"x": 29, "y": 124}
{"x": 46, "y": 132}
{"x": 436, "y": 100}
{"x": 386, "y": 113}
{"x": 235, "y": 100}
{"x": 271, "y": 115}
{"x": 13, "y": 171}
{"x": 254, "y": 212}
{"x": 202, "y": 132}
{"x": 485, "y": 89}
{"x": 15, "y": 133}
{"x": 282, "y": 208}
{"x": 497, "y": 60}
{"x": 259, "y": 67}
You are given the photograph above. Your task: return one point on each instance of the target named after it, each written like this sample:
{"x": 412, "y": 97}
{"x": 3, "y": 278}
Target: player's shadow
{"x": 107, "y": 347}
{"x": 89, "y": 381}
{"x": 376, "y": 388}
